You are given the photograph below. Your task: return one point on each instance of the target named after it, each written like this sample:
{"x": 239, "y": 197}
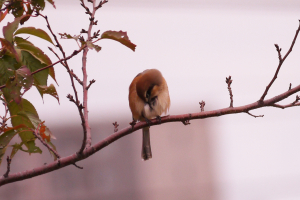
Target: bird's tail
{"x": 146, "y": 148}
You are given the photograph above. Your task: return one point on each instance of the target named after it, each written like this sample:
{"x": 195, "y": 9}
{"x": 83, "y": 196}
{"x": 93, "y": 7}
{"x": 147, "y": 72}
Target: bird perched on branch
{"x": 148, "y": 98}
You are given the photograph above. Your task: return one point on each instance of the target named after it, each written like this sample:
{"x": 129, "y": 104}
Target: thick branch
{"x": 65, "y": 161}
{"x": 87, "y": 136}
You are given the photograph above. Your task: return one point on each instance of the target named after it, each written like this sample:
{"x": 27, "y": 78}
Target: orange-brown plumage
{"x": 148, "y": 98}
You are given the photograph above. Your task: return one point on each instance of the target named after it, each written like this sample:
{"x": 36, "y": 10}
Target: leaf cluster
{"x": 19, "y": 59}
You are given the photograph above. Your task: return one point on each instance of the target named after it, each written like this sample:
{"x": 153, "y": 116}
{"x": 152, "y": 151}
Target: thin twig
{"x": 295, "y": 103}
{"x": 8, "y": 167}
{"x": 202, "y": 104}
{"x": 91, "y": 82}
{"x": 76, "y": 77}
{"x": 254, "y": 115}
{"x": 281, "y": 60}
{"x": 229, "y": 81}
{"x": 115, "y": 126}
{"x": 84, "y": 121}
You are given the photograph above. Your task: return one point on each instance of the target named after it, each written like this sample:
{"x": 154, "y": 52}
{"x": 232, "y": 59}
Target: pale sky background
{"x": 196, "y": 45}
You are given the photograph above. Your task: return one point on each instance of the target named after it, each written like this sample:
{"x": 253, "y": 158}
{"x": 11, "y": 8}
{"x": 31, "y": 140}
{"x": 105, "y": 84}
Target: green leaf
{"x": 27, "y": 79}
{"x": 93, "y": 46}
{"x": 18, "y": 8}
{"x": 36, "y": 32}
{"x": 26, "y": 136}
{"x": 34, "y": 119}
{"x": 119, "y": 36}
{"x": 48, "y": 90}
{"x": 39, "y": 3}
{"x": 8, "y": 65}
{"x": 5, "y": 138}
{"x": 33, "y": 50}
{"x": 33, "y": 64}
{"x": 13, "y": 90}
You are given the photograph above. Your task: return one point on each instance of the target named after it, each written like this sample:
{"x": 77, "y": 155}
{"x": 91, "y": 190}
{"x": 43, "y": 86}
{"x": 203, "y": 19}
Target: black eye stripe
{"x": 148, "y": 93}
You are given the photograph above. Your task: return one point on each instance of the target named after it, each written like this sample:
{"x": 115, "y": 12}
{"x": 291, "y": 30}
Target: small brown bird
{"x": 148, "y": 98}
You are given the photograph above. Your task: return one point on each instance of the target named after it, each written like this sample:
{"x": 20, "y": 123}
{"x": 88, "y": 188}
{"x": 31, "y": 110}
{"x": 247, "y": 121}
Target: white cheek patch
{"x": 160, "y": 106}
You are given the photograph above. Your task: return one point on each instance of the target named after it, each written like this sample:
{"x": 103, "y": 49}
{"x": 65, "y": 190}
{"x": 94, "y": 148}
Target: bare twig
{"x": 76, "y": 77}
{"x": 8, "y": 167}
{"x": 229, "y": 81}
{"x": 84, "y": 120}
{"x": 202, "y": 104}
{"x": 295, "y": 103}
{"x": 91, "y": 82}
{"x": 115, "y": 126}
{"x": 281, "y": 60}
{"x": 101, "y": 3}
{"x": 254, "y": 115}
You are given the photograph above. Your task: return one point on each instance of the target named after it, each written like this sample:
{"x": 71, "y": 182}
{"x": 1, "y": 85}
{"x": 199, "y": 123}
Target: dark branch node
{"x": 115, "y": 126}
{"x": 83, "y": 31}
{"x": 186, "y": 122}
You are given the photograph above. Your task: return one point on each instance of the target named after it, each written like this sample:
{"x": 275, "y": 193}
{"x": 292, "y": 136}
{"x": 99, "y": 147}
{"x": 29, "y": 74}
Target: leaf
{"x": 10, "y": 28}
{"x": 28, "y": 14}
{"x": 52, "y": 74}
{"x": 48, "y": 90}
{"x": 8, "y": 65}
{"x": 33, "y": 64}
{"x": 36, "y": 32}
{"x": 36, "y": 122}
{"x": 8, "y": 45}
{"x": 68, "y": 36}
{"x": 93, "y": 46}
{"x": 18, "y": 8}
{"x": 14, "y": 90}
{"x": 33, "y": 50}
{"x": 39, "y": 3}
{"x": 27, "y": 80}
{"x": 120, "y": 37}
{"x": 52, "y": 2}
{"x": 5, "y": 138}
{"x": 26, "y": 136}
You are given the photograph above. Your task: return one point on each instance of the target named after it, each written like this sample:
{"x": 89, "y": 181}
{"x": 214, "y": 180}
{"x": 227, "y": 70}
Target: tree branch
{"x": 281, "y": 60}
{"x": 65, "y": 161}
{"x": 87, "y": 136}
